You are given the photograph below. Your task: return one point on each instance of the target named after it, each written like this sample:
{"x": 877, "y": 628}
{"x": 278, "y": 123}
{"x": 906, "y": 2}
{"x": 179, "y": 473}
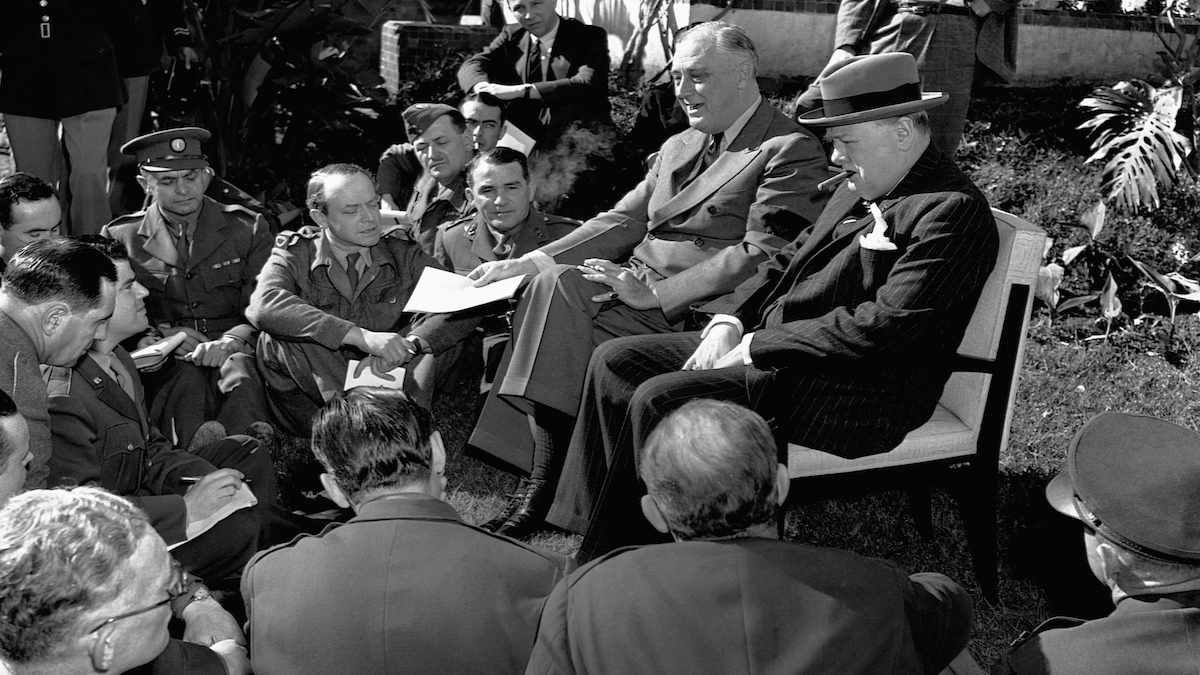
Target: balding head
{"x": 711, "y": 471}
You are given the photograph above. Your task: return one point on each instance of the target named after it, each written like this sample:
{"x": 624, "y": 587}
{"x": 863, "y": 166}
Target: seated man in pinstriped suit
{"x": 843, "y": 340}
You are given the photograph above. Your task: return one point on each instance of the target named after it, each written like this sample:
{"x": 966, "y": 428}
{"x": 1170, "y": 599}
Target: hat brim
{"x": 928, "y": 100}
{"x": 175, "y": 164}
{"x": 1060, "y": 492}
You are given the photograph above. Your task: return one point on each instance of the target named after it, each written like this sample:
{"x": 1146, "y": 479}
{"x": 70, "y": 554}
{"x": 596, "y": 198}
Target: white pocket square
{"x": 876, "y": 239}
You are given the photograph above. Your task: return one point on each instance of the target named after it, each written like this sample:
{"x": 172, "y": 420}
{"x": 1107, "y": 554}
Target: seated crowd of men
{"x": 635, "y": 379}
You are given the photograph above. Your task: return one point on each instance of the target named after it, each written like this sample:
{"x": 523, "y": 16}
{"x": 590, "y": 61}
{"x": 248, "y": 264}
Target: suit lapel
{"x": 483, "y": 243}
{"x": 741, "y": 152}
{"x": 210, "y": 233}
{"x": 156, "y": 239}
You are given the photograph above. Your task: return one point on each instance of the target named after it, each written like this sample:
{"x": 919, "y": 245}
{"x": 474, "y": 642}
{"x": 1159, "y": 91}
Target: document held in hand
{"x": 440, "y": 292}
{"x": 368, "y": 378}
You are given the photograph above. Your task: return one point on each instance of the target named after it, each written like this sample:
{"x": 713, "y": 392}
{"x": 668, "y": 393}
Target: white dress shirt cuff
{"x": 720, "y": 319}
{"x": 540, "y": 260}
{"x": 746, "y": 360}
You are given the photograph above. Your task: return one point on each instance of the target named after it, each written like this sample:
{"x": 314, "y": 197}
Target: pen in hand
{"x": 192, "y": 480}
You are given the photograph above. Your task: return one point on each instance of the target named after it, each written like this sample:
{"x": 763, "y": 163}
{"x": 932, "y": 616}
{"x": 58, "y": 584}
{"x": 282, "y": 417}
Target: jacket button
{"x": 189, "y": 275}
{"x": 699, "y": 241}
{"x": 712, "y": 210}
{"x": 195, "y": 304}
{"x": 651, "y": 236}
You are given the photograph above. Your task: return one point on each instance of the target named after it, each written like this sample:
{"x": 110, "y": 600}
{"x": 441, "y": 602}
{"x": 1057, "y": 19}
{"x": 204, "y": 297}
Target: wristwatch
{"x": 421, "y": 345}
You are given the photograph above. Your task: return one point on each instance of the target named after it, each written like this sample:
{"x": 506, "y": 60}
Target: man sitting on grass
{"x": 405, "y": 585}
{"x": 729, "y": 597}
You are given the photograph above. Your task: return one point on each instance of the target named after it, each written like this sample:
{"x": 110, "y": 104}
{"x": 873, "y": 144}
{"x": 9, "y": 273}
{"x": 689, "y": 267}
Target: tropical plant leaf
{"x": 1132, "y": 126}
{"x": 1110, "y": 304}
{"x": 1077, "y": 301}
{"x": 1093, "y": 219}
{"x": 1070, "y": 254}
{"x": 1048, "y": 282}
{"x": 1162, "y": 282}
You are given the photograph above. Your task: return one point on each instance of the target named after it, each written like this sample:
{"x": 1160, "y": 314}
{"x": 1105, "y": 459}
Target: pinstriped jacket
{"x": 884, "y": 317}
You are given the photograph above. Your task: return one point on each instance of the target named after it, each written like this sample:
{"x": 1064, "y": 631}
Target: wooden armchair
{"x": 970, "y": 424}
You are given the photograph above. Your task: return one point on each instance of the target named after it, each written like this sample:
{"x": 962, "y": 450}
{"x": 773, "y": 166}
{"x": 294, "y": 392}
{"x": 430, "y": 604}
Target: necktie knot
{"x": 714, "y": 148}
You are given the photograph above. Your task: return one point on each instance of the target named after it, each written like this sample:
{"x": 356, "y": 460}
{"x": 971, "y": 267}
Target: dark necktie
{"x": 122, "y": 376}
{"x": 533, "y": 66}
{"x": 713, "y": 150}
{"x": 352, "y": 271}
{"x": 181, "y": 245}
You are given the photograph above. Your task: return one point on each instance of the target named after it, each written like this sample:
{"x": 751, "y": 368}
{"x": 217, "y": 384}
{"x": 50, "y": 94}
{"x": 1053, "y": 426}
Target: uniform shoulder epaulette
{"x": 288, "y": 238}
{"x": 466, "y": 221}
{"x": 399, "y": 232}
{"x": 134, "y": 217}
{"x": 58, "y": 380}
{"x": 1053, "y": 623}
{"x": 238, "y": 208}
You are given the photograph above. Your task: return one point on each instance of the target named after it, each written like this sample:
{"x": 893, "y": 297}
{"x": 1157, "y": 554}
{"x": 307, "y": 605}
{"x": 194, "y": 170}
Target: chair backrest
{"x": 1018, "y": 260}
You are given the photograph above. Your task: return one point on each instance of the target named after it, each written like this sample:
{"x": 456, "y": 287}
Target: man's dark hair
{"x": 486, "y": 99}
{"x": 8, "y": 408}
{"x": 19, "y": 187}
{"x": 372, "y": 438}
{"x": 111, "y": 248}
{"x": 498, "y": 157}
{"x": 316, "y": 198}
{"x": 63, "y": 555}
{"x": 66, "y": 270}
{"x": 710, "y": 466}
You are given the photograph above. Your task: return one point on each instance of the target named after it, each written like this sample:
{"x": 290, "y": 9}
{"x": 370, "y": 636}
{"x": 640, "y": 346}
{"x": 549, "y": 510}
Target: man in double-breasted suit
{"x": 551, "y": 70}
{"x": 844, "y": 340}
{"x": 720, "y": 198}
{"x": 949, "y": 39}
{"x": 200, "y": 261}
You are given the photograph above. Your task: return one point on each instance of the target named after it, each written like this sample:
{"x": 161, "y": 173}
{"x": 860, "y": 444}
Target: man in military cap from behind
{"x": 1134, "y": 483}
{"x": 443, "y": 145}
{"x": 199, "y": 259}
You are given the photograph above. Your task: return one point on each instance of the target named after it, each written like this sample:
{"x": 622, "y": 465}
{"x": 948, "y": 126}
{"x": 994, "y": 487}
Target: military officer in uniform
{"x": 1131, "y": 480}
{"x": 337, "y": 294}
{"x": 444, "y": 146}
{"x": 199, "y": 259}
{"x": 505, "y": 226}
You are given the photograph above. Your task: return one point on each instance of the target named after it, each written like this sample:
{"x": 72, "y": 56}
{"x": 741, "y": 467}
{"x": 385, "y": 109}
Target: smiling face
{"x": 483, "y": 123}
{"x": 31, "y": 221}
{"x": 177, "y": 193}
{"x": 714, "y": 87}
{"x": 353, "y": 217}
{"x": 873, "y": 153}
{"x": 502, "y": 195}
{"x": 129, "y": 312}
{"x": 443, "y": 150}
{"x": 536, "y": 16}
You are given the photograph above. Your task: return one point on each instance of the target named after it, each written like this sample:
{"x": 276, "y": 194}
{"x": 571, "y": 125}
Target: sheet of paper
{"x": 242, "y": 499}
{"x": 516, "y": 139}
{"x": 368, "y": 378}
{"x": 440, "y": 292}
{"x": 152, "y": 355}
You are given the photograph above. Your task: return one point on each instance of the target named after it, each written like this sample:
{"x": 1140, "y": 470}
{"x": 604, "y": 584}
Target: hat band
{"x": 171, "y": 158}
{"x": 910, "y": 92}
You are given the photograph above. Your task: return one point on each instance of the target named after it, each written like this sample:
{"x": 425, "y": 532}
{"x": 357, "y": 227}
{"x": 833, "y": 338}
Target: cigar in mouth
{"x": 832, "y": 182}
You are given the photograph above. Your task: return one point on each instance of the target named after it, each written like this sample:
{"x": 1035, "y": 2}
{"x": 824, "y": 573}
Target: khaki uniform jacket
{"x": 230, "y": 247}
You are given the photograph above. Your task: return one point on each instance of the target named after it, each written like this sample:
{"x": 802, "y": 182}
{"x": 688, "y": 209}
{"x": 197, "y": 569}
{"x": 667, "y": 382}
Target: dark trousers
{"x": 183, "y": 396}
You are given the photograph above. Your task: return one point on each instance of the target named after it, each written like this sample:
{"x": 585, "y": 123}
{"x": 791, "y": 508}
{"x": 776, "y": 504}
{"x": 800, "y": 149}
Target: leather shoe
{"x": 524, "y": 512}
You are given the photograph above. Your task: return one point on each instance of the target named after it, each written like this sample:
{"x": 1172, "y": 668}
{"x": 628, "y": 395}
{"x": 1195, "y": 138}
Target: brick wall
{"x": 405, "y": 45}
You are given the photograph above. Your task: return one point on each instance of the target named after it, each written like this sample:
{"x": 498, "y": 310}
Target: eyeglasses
{"x": 178, "y": 584}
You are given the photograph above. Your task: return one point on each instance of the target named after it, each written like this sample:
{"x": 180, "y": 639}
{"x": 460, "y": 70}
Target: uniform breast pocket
{"x": 121, "y": 457}
{"x": 223, "y": 274}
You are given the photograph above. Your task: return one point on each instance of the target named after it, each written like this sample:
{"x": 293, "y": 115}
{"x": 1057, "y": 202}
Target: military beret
{"x": 419, "y": 116}
{"x": 1135, "y": 480}
{"x": 170, "y": 149}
